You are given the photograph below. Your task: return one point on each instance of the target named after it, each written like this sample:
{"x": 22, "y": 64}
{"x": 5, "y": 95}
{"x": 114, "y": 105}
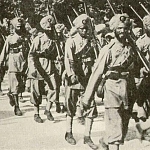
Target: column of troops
{"x": 109, "y": 59}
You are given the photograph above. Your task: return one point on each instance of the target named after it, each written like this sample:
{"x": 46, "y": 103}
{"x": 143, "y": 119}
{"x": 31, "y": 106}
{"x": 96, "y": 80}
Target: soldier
{"x": 116, "y": 63}
{"x": 144, "y": 81}
{"x": 15, "y": 50}
{"x": 43, "y": 53}
{"x": 4, "y": 32}
{"x": 79, "y": 60}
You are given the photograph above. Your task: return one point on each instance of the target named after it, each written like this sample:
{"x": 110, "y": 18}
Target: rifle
{"x": 136, "y": 50}
{"x": 111, "y": 7}
{"x": 144, "y": 8}
{"x": 92, "y": 33}
{"x": 135, "y": 12}
{"x": 57, "y": 44}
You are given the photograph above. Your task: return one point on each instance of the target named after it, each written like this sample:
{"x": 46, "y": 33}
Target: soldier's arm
{"x": 32, "y": 57}
{"x": 5, "y": 52}
{"x": 96, "y": 75}
{"x": 69, "y": 61}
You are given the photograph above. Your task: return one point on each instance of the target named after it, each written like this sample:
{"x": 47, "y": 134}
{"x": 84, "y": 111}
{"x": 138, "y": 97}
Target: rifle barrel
{"x": 111, "y": 7}
{"x": 144, "y": 8}
{"x": 135, "y": 12}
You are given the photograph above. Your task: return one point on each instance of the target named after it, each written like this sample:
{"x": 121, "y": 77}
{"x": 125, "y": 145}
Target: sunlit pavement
{"x": 23, "y": 133}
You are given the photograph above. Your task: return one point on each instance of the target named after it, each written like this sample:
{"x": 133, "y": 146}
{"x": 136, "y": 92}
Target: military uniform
{"x": 143, "y": 80}
{"x": 3, "y": 35}
{"x": 116, "y": 63}
{"x": 42, "y": 69}
{"x": 79, "y": 60}
{"x": 143, "y": 44}
{"x": 15, "y": 51}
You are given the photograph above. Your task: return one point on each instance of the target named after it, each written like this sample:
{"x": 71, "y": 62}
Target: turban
{"x": 81, "y": 21}
{"x": 117, "y": 19}
{"x": 17, "y": 20}
{"x": 146, "y": 20}
{"x": 47, "y": 22}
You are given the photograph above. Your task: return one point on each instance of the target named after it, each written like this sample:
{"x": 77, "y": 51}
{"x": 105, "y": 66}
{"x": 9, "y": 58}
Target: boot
{"x": 37, "y": 118}
{"x": 88, "y": 141}
{"x": 17, "y": 111}
{"x": 11, "y": 99}
{"x": 103, "y": 144}
{"x": 49, "y": 115}
{"x": 58, "y": 109}
{"x": 69, "y": 138}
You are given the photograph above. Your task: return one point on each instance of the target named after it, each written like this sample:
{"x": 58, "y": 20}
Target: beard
{"x": 120, "y": 38}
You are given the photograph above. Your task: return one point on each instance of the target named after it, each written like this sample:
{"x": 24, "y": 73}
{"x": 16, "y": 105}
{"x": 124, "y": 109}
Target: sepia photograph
{"x": 74, "y": 74}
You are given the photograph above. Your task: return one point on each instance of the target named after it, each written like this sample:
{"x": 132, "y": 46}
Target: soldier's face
{"x": 121, "y": 31}
{"x": 18, "y": 24}
{"x": 147, "y": 30}
{"x": 83, "y": 31}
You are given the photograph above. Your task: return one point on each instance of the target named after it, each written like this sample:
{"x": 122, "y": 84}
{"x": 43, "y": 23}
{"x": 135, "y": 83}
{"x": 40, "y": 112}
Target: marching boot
{"x": 88, "y": 141}
{"x": 37, "y": 118}
{"x": 17, "y": 110}
{"x": 11, "y": 99}
{"x": 49, "y": 115}
{"x": 58, "y": 109}
{"x": 69, "y": 138}
{"x": 47, "y": 111}
{"x": 87, "y": 137}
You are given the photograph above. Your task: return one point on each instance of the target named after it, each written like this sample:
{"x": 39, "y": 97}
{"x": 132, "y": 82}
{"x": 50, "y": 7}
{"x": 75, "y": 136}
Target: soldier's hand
{"x": 144, "y": 72}
{"x": 74, "y": 79}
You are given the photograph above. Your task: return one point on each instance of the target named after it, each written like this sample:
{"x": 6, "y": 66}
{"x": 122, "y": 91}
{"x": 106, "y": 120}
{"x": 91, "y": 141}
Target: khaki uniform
{"x": 116, "y": 62}
{"x": 79, "y": 60}
{"x": 143, "y": 44}
{"x": 42, "y": 67}
{"x": 15, "y": 51}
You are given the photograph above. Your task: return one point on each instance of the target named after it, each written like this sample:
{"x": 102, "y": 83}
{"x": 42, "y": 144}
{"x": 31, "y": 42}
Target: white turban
{"x": 47, "y": 21}
{"x": 81, "y": 20}
{"x": 117, "y": 19}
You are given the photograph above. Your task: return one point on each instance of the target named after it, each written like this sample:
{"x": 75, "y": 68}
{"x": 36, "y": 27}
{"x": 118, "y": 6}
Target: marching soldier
{"x": 79, "y": 60}
{"x": 144, "y": 81}
{"x": 4, "y": 32}
{"x": 116, "y": 63}
{"x": 43, "y": 53}
{"x": 15, "y": 51}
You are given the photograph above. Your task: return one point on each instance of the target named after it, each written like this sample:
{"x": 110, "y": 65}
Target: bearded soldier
{"x": 79, "y": 59}
{"x": 116, "y": 63}
{"x": 16, "y": 50}
{"x": 42, "y": 56}
{"x": 144, "y": 82}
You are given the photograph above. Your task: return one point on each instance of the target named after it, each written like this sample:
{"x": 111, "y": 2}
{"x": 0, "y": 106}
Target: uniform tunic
{"x": 79, "y": 60}
{"x": 143, "y": 44}
{"x": 15, "y": 51}
{"x": 42, "y": 67}
{"x": 116, "y": 61}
